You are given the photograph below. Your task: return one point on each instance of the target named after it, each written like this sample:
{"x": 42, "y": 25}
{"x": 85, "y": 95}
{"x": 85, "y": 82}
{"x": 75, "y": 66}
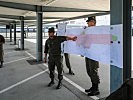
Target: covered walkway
{"x": 22, "y": 78}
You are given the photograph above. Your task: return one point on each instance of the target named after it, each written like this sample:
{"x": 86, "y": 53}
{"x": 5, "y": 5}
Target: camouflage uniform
{"x": 67, "y": 57}
{"x": 67, "y": 60}
{"x": 1, "y": 52}
{"x": 92, "y": 70}
{"x": 92, "y": 66}
{"x": 53, "y": 48}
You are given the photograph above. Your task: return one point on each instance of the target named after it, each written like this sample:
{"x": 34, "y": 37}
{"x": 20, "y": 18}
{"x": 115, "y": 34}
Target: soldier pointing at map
{"x": 53, "y": 48}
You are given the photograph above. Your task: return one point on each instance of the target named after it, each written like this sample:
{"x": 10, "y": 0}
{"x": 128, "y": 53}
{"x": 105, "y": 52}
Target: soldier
{"x": 2, "y": 41}
{"x": 92, "y": 67}
{"x": 53, "y": 48}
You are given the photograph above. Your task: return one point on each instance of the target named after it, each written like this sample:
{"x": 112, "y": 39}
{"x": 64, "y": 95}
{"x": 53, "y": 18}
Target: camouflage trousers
{"x": 67, "y": 61}
{"x": 55, "y": 60}
{"x": 92, "y": 70}
{"x": 1, "y": 55}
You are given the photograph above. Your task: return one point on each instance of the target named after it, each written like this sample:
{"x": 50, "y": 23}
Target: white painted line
{"x": 68, "y": 80}
{"x": 30, "y": 54}
{"x": 79, "y": 87}
{"x": 16, "y": 60}
{"x": 23, "y": 81}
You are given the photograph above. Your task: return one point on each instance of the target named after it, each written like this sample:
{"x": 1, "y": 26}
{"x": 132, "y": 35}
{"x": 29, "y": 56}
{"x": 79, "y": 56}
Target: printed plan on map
{"x": 116, "y": 48}
{"x": 101, "y": 43}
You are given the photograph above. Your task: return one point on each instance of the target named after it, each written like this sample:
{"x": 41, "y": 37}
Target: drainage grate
{"x": 34, "y": 62}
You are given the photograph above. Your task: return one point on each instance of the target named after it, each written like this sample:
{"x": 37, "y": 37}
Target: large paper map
{"x": 99, "y": 43}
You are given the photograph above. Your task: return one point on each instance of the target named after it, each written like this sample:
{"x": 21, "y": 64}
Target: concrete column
{"x": 39, "y": 48}
{"x": 10, "y": 32}
{"x": 14, "y": 33}
{"x": 120, "y": 11}
{"x": 27, "y": 31}
{"x": 127, "y": 36}
{"x": 116, "y": 18}
{"x": 6, "y": 32}
{"x": 22, "y": 32}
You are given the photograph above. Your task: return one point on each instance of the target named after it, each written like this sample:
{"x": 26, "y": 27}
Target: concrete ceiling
{"x": 53, "y": 10}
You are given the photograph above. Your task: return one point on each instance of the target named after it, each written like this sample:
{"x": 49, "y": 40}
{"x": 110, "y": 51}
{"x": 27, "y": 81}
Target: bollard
{"x": 19, "y": 43}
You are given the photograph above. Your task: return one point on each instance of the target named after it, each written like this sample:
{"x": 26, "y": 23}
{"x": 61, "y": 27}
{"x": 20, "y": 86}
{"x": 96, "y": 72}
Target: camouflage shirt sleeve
{"x": 46, "y": 47}
{"x": 62, "y": 38}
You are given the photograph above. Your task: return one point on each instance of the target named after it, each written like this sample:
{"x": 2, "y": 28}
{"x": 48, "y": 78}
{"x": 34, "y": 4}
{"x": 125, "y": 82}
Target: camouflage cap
{"x": 91, "y": 18}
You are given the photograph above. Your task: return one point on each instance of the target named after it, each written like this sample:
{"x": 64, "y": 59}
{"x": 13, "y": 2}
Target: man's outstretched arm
{"x": 74, "y": 38}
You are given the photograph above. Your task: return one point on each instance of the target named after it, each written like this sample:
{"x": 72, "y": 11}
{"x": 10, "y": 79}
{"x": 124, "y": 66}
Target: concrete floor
{"x": 20, "y": 80}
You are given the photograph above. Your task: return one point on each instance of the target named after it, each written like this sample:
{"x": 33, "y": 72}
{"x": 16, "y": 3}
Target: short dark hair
{"x": 51, "y": 29}
{"x": 91, "y": 18}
